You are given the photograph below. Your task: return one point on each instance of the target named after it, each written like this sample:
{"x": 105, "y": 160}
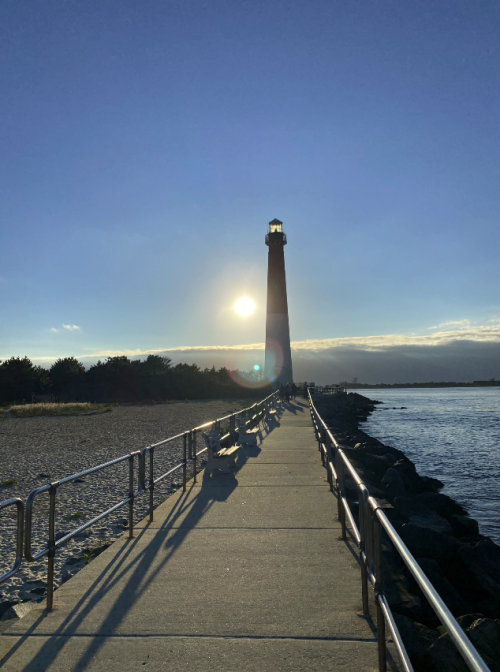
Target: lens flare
{"x": 252, "y": 380}
{"x": 256, "y": 367}
{"x": 244, "y": 306}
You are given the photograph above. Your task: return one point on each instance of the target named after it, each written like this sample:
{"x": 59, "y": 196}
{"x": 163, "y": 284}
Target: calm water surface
{"x": 452, "y": 434}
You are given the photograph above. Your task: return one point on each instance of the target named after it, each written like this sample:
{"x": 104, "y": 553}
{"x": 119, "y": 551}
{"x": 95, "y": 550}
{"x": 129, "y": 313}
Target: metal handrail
{"x": 15, "y": 501}
{"x": 190, "y": 454}
{"x": 368, "y": 536}
{"x": 328, "y": 391}
{"x": 52, "y": 543}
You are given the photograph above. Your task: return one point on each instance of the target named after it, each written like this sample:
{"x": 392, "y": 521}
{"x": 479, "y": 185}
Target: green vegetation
{"x": 30, "y": 410}
{"x": 117, "y": 379}
{"x": 9, "y": 483}
{"x": 20, "y": 379}
{"x": 91, "y": 553}
{"x": 88, "y": 555}
{"x": 74, "y": 516}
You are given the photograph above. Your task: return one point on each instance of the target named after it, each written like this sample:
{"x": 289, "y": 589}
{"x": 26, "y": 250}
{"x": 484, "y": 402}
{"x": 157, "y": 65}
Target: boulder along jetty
{"x": 462, "y": 564}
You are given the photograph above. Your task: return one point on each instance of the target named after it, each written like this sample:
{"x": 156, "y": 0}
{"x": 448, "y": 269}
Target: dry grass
{"x": 30, "y": 410}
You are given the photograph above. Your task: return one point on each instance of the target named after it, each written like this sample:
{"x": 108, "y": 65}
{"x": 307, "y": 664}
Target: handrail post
{"x": 20, "y": 532}
{"x": 184, "y": 465}
{"x": 151, "y": 484}
{"x": 329, "y": 455}
{"x": 369, "y": 539}
{"x": 323, "y": 443}
{"x": 131, "y": 496}
{"x": 341, "y": 494}
{"x": 377, "y": 537}
{"x": 363, "y": 513}
{"x": 193, "y": 440}
{"x": 17, "y": 502}
{"x": 51, "y": 545}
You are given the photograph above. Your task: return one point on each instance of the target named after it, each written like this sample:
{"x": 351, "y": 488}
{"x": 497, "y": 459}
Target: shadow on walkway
{"x": 193, "y": 505}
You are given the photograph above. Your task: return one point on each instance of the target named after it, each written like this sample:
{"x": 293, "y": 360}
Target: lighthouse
{"x": 278, "y": 354}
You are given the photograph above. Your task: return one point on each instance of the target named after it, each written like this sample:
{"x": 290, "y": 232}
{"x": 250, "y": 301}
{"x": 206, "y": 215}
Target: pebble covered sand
{"x": 38, "y": 450}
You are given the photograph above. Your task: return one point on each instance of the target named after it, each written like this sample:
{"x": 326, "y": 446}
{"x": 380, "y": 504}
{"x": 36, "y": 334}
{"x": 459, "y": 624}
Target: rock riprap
{"x": 462, "y": 564}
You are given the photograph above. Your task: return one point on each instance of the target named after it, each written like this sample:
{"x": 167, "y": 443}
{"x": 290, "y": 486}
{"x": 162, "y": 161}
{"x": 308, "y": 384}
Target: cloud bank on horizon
{"x": 464, "y": 353}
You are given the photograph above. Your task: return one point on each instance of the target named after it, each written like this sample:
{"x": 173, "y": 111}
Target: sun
{"x": 244, "y": 306}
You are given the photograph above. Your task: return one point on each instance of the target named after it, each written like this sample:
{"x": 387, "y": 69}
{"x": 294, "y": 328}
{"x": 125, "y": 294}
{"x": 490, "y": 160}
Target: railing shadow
{"x": 184, "y": 516}
{"x": 294, "y": 407}
{"x": 132, "y": 566}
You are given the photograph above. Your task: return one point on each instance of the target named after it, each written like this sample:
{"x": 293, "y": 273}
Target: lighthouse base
{"x": 278, "y": 365}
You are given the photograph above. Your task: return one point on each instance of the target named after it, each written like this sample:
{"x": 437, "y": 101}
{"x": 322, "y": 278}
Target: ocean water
{"x": 452, "y": 434}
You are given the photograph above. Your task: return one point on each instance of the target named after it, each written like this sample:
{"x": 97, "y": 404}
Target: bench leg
{"x": 211, "y": 464}
{"x": 225, "y": 467}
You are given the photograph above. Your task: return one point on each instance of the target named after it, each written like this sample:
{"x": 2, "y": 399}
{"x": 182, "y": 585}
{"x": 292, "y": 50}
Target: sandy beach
{"x": 39, "y": 450}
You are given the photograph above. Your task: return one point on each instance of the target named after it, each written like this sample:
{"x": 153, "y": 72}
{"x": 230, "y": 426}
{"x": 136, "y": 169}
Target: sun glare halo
{"x": 244, "y": 306}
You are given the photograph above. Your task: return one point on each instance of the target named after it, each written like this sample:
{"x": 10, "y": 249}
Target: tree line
{"x": 119, "y": 379}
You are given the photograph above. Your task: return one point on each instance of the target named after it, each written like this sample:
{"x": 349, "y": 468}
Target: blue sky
{"x": 144, "y": 146}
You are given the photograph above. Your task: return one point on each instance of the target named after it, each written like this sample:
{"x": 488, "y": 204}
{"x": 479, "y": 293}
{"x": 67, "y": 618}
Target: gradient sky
{"x": 144, "y": 146}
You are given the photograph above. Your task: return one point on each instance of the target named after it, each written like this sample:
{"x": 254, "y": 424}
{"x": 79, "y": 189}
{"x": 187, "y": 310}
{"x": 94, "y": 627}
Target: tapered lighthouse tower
{"x": 278, "y": 354}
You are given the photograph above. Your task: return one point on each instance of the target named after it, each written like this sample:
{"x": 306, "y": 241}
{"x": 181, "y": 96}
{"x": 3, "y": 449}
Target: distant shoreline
{"x": 383, "y": 386}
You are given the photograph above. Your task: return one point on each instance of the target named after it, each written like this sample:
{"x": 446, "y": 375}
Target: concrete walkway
{"x": 242, "y": 572}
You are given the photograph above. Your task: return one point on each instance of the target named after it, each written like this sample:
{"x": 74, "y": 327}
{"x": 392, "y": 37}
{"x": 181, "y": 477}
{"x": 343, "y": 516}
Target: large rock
{"x": 388, "y": 509}
{"x": 394, "y": 484}
{"x": 463, "y": 526}
{"x": 368, "y": 476}
{"x": 379, "y": 463}
{"x": 432, "y": 485}
{"x": 416, "y": 637}
{"x": 484, "y": 633}
{"x": 412, "y": 481}
{"x": 400, "y": 598}
{"x": 442, "y": 656}
{"x": 446, "y": 591}
{"x": 483, "y": 561}
{"x": 417, "y": 513}
{"x": 353, "y": 491}
{"x": 490, "y": 607}
{"x": 423, "y": 543}
{"x": 441, "y": 504}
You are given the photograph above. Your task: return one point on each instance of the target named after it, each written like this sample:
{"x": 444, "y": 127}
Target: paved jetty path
{"x": 241, "y": 572}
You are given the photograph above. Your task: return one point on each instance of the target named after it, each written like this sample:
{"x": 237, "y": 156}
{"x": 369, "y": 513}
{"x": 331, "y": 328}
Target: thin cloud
{"x": 458, "y": 324}
{"x": 68, "y": 327}
{"x": 489, "y": 333}
{"x": 460, "y": 354}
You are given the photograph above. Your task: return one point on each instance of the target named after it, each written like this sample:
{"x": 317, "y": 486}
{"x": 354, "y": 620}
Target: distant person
{"x": 295, "y": 389}
{"x": 282, "y": 391}
{"x": 305, "y": 390}
{"x": 288, "y": 391}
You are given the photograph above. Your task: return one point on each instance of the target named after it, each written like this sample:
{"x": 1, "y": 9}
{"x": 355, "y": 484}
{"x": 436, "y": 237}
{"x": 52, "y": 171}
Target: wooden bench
{"x": 246, "y": 437}
{"x": 218, "y": 457}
